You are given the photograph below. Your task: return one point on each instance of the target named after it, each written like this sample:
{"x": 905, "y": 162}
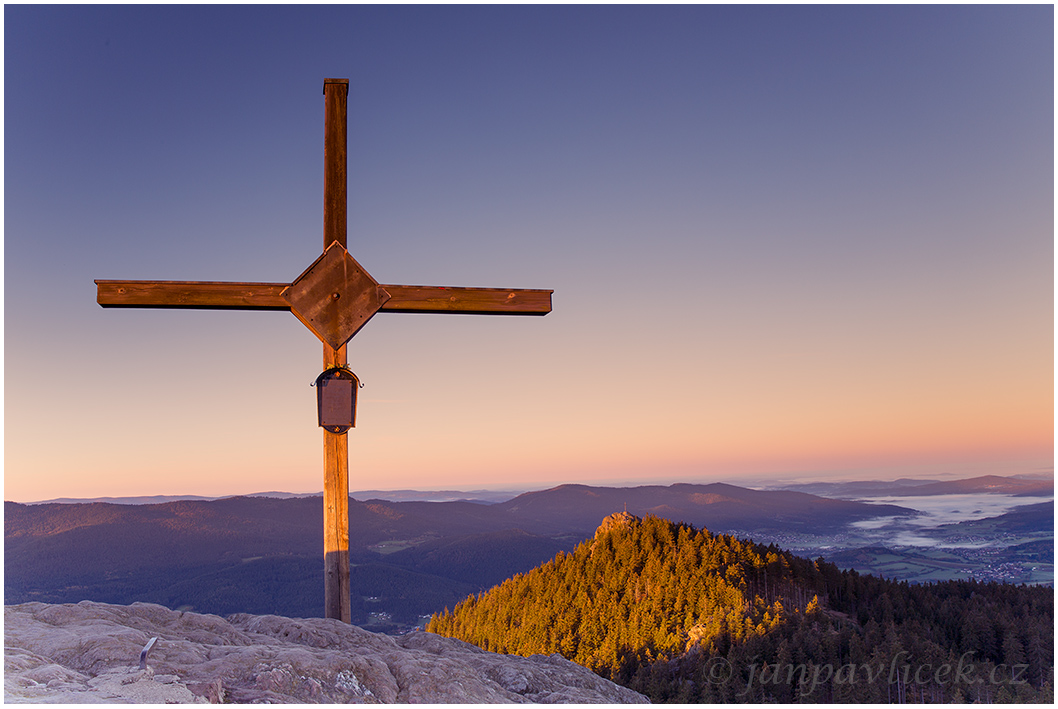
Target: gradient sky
{"x": 811, "y": 241}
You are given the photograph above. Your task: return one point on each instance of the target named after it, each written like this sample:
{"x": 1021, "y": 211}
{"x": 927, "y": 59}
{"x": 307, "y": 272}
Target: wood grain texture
{"x": 335, "y": 126}
{"x": 336, "y": 589}
{"x": 201, "y": 295}
{"x": 336, "y": 582}
{"x": 471, "y": 301}
{"x": 335, "y": 445}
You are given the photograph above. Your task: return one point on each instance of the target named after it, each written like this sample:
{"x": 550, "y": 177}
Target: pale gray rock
{"x": 89, "y": 653}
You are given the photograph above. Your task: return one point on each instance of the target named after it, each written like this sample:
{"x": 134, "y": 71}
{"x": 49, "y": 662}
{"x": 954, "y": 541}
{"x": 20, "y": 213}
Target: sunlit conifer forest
{"x": 684, "y": 615}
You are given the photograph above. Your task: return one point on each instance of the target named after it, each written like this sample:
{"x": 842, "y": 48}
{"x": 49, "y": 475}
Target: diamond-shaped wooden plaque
{"x": 335, "y": 296}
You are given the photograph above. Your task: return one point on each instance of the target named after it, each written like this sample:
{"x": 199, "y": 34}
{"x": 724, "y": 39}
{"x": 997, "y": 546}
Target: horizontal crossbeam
{"x": 212, "y": 295}
{"x": 198, "y": 295}
{"x": 472, "y": 301}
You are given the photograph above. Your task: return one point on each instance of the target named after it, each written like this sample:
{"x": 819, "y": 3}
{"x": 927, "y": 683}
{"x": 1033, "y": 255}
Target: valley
{"x": 1016, "y": 546}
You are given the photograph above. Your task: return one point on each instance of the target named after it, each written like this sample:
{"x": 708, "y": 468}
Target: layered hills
{"x": 683, "y": 614}
{"x": 263, "y": 554}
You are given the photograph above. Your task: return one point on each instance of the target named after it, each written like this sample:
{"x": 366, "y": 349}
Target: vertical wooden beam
{"x": 334, "y": 161}
{"x": 335, "y": 446}
{"x": 336, "y": 513}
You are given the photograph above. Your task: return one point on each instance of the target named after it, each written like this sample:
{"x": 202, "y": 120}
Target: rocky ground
{"x": 90, "y": 652}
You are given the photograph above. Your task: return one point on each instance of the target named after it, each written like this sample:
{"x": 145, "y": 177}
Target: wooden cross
{"x": 334, "y": 297}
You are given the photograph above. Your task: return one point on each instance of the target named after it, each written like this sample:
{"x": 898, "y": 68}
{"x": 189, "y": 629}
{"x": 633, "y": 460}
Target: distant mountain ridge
{"x": 484, "y": 496}
{"x": 904, "y": 487}
{"x": 985, "y": 483}
{"x": 1016, "y": 484}
{"x": 716, "y": 506}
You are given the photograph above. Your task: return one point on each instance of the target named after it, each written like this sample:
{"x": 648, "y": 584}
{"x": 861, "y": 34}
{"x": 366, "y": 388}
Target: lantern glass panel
{"x": 337, "y": 402}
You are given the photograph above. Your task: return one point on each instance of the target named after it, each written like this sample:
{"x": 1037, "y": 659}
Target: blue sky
{"x": 783, "y": 240}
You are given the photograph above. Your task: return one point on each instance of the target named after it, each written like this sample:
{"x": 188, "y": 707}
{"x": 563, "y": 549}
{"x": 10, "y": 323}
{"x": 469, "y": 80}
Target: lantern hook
{"x": 359, "y": 383}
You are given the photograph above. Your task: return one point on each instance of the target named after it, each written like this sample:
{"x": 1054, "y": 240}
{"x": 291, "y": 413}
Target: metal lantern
{"x": 336, "y": 399}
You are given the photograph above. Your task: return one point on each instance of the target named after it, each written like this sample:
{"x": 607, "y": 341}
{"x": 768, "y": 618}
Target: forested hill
{"x": 682, "y": 614}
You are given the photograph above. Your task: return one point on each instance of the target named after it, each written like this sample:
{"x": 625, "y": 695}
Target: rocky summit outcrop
{"x": 90, "y": 653}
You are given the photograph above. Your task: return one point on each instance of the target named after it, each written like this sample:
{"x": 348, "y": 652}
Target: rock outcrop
{"x": 90, "y": 652}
